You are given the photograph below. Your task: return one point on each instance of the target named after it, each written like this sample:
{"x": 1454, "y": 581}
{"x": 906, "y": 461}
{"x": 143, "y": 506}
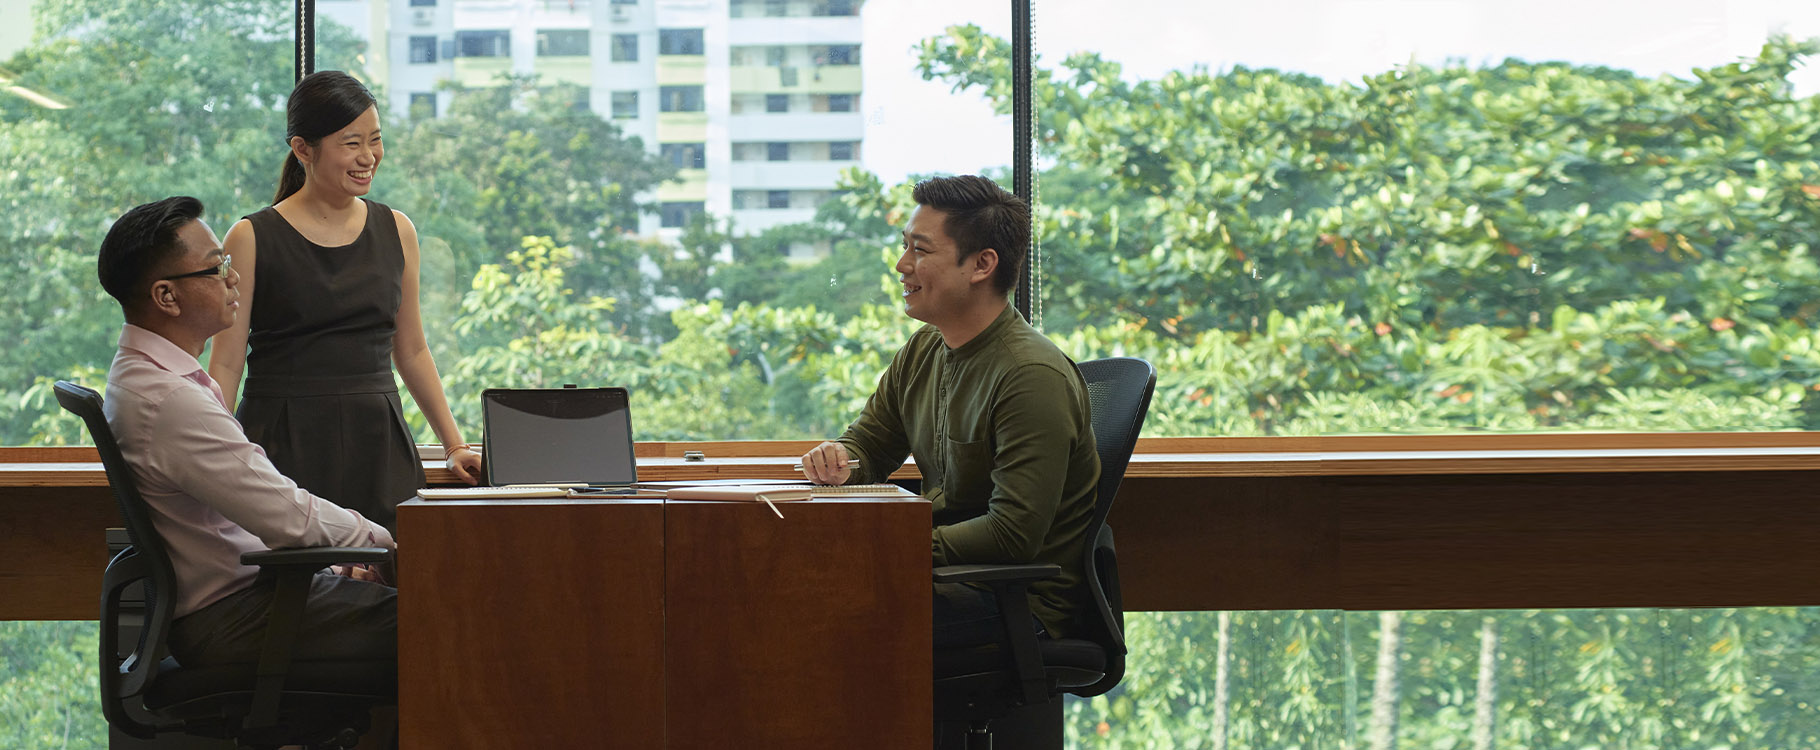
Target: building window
{"x": 625, "y": 105}
{"x": 423, "y": 104}
{"x": 679, "y": 98}
{"x": 625, "y": 48}
{"x": 625, "y": 2}
{"x": 777, "y": 102}
{"x": 836, "y": 8}
{"x": 684, "y": 155}
{"x": 562, "y": 43}
{"x": 676, "y": 215}
{"x": 777, "y": 152}
{"x": 423, "y": 3}
{"x": 836, "y": 54}
{"x": 483, "y": 43}
{"x": 679, "y": 42}
{"x": 842, "y": 150}
{"x": 777, "y": 8}
{"x": 777, "y": 199}
{"x": 774, "y": 56}
{"x": 423, "y": 49}
{"x": 840, "y": 102}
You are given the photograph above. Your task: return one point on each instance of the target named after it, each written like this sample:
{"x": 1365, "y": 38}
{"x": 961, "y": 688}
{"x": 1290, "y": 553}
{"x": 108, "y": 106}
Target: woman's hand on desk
{"x": 464, "y": 462}
{"x": 827, "y": 464}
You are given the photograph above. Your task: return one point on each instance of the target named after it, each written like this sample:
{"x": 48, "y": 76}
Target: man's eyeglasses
{"x": 227, "y": 264}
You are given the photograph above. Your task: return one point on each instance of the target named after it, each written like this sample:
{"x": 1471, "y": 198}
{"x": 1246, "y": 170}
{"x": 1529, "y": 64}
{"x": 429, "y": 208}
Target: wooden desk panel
{"x": 544, "y": 628}
{"x": 812, "y": 630}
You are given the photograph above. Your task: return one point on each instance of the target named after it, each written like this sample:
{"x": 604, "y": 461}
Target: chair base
{"x": 1033, "y": 727}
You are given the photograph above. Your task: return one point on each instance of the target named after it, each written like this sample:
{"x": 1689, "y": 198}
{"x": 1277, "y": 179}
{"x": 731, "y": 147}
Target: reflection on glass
{"x": 1632, "y": 678}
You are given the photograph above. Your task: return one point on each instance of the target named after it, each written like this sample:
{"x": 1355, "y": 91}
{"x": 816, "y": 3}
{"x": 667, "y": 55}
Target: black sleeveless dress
{"x": 319, "y": 393}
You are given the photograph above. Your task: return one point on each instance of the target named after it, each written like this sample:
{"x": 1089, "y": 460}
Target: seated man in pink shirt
{"x": 213, "y": 494}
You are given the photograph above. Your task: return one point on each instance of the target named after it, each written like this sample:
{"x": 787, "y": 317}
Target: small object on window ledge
{"x": 694, "y": 456}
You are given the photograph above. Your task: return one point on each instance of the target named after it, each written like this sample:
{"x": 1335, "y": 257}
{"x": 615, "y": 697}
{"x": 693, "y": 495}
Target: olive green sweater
{"x": 1002, "y": 435}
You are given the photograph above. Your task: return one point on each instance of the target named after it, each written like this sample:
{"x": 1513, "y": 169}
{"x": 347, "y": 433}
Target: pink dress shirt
{"x": 213, "y": 493}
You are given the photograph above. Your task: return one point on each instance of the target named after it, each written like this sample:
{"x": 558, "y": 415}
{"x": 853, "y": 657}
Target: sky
{"x": 916, "y": 126}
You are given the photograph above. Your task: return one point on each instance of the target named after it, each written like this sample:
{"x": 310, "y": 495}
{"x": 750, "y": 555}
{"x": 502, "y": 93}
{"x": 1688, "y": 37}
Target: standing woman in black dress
{"x": 330, "y": 279}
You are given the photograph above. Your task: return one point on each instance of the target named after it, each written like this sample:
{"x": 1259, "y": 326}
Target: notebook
{"x": 571, "y": 436}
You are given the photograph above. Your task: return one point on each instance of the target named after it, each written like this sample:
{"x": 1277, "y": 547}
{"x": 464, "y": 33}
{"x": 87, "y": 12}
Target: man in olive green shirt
{"x": 996, "y": 415}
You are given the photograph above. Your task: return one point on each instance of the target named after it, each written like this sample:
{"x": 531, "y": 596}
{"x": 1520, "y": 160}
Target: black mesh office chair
{"x": 978, "y": 684}
{"x": 269, "y": 704}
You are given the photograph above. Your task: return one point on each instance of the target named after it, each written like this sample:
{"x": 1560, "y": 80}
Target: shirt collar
{"x": 1006, "y": 319}
{"x": 159, "y": 350}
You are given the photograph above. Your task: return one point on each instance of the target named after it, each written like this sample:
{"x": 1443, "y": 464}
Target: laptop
{"x": 580, "y": 436}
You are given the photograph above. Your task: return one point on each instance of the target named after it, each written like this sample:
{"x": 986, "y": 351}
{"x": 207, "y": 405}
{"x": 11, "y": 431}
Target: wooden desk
{"x": 640, "y": 623}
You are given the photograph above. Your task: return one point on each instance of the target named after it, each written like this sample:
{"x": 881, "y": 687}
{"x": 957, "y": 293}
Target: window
{"x": 625, "y": 105}
{"x": 679, "y": 99}
{"x": 777, "y": 8}
{"x": 684, "y": 155}
{"x": 836, "y": 8}
{"x": 423, "y": 3}
{"x": 777, "y": 152}
{"x": 840, "y": 102}
{"x": 483, "y": 43}
{"x": 835, "y": 54}
{"x": 625, "y": 48}
{"x": 842, "y": 150}
{"x": 675, "y": 215}
{"x": 679, "y": 42}
{"x": 777, "y": 102}
{"x": 562, "y": 43}
{"x": 423, "y": 49}
{"x": 423, "y": 104}
{"x": 775, "y": 56}
{"x": 777, "y": 199}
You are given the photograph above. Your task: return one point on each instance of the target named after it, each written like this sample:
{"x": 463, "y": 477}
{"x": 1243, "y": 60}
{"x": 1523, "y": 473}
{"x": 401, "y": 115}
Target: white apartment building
{"x": 755, "y": 101}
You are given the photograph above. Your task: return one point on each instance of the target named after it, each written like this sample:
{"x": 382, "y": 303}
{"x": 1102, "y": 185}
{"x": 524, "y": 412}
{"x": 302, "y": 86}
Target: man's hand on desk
{"x": 827, "y": 464}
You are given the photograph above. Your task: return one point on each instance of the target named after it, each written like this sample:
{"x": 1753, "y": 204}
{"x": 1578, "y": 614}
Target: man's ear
{"x": 983, "y": 265}
{"x": 164, "y": 298}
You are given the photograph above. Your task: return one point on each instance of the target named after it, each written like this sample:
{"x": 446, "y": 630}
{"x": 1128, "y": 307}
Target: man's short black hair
{"x": 981, "y": 215}
{"x": 141, "y": 240}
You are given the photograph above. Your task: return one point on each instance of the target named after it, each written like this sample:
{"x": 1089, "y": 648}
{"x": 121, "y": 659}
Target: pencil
{"x": 780, "y": 514}
{"x": 852, "y": 463}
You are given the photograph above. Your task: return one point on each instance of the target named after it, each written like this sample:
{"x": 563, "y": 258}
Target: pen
{"x": 852, "y": 463}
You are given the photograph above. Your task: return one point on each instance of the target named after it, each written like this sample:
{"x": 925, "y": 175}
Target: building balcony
{"x": 755, "y": 220}
{"x": 690, "y": 185}
{"x": 481, "y": 72}
{"x": 795, "y": 30}
{"x": 816, "y": 126}
{"x": 682, "y": 127}
{"x": 785, "y": 175}
{"x": 576, "y": 69}
{"x": 788, "y": 79}
{"x": 682, "y": 70}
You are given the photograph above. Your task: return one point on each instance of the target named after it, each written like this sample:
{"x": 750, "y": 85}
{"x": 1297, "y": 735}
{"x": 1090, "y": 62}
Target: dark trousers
{"x": 343, "y": 619}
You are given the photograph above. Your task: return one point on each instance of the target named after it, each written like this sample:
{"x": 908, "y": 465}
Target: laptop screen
{"x": 548, "y": 435}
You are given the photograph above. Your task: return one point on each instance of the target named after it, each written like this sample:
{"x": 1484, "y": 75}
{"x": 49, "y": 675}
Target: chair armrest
{"x": 318, "y": 557}
{"x": 989, "y": 573}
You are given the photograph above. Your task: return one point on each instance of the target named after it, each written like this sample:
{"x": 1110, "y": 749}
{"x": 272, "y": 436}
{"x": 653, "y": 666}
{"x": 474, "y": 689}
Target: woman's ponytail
{"x": 290, "y": 179}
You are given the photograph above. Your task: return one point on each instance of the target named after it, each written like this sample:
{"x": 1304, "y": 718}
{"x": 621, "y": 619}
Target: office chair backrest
{"x": 147, "y": 559}
{"x": 1119, "y": 389}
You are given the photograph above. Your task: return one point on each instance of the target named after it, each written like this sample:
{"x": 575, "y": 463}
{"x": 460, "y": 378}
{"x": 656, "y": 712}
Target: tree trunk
{"x": 1485, "y": 719}
{"x": 1222, "y": 681}
{"x": 1384, "y": 691}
